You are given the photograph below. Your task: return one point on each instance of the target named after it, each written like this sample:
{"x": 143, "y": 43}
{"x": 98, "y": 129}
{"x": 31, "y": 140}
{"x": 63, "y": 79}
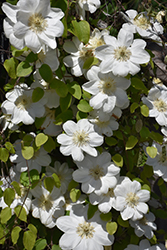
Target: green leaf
{"x": 9, "y": 195}
{"x": 24, "y": 69}
{"x": 29, "y": 240}
{"x": 82, "y": 30}
{"x": 17, "y": 53}
{"x": 40, "y": 244}
{"x": 37, "y": 94}
{"x": 118, "y": 134}
{"x": 75, "y": 89}
{"x": 146, "y": 187}
{"x": 151, "y": 151}
{"x": 132, "y": 141}
{"x": 32, "y": 228}
{"x": 63, "y": 117}
{"x": 138, "y": 84}
{"x": 31, "y": 57}
{"x": 16, "y": 187}
{"x": 75, "y": 194}
{"x": 10, "y": 65}
{"x": 56, "y": 247}
{"x": 21, "y": 213}
{"x": 9, "y": 146}
{"x": 57, "y": 181}
{"x": 144, "y": 132}
{"x": 15, "y": 234}
{"x": 91, "y": 211}
{"x": 90, "y": 62}
{"x": 27, "y": 140}
{"x": 62, "y": 4}
{"x": 2, "y": 235}
{"x": 72, "y": 184}
{"x": 156, "y": 137}
{"x": 39, "y": 122}
{"x": 27, "y": 152}
{"x": 65, "y": 102}
{"x": 118, "y": 160}
{"x": 133, "y": 107}
{"x": 4, "y": 154}
{"x": 60, "y": 87}
{"x": 106, "y": 217}
{"x": 5, "y": 215}
{"x": 111, "y": 141}
{"x": 144, "y": 110}
{"x": 40, "y": 139}
{"x": 122, "y": 223}
{"x": 49, "y": 144}
{"x": 84, "y": 106}
{"x": 49, "y": 183}
{"x": 46, "y": 73}
{"x": 111, "y": 227}
{"x": 81, "y": 115}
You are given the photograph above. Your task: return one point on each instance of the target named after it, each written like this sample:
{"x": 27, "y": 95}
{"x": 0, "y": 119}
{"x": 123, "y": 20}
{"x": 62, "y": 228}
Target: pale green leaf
{"x": 133, "y": 107}
{"x": 27, "y": 152}
{"x": 21, "y": 213}
{"x": 75, "y": 89}
{"x": 10, "y": 66}
{"x": 151, "y": 151}
{"x": 32, "y": 228}
{"x": 29, "y": 240}
{"x": 9, "y": 146}
{"x": 82, "y": 30}
{"x": 40, "y": 139}
{"x": 16, "y": 187}
{"x": 84, "y": 106}
{"x": 40, "y": 244}
{"x": 56, "y": 179}
{"x": 118, "y": 160}
{"x": 15, "y": 234}
{"x": 75, "y": 194}
{"x": 132, "y": 141}
{"x": 5, "y": 215}
{"x": 24, "y": 69}
{"x": 90, "y": 62}
{"x": 144, "y": 110}
{"x": 111, "y": 227}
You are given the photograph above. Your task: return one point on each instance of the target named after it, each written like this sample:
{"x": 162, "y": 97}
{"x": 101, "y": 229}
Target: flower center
{"x": 143, "y": 221}
{"x": 96, "y": 172}
{"x": 37, "y": 23}
{"x": 132, "y": 199}
{"x": 85, "y": 53}
{"x": 80, "y": 138}
{"x": 45, "y": 202}
{"x": 95, "y": 42}
{"x": 122, "y": 53}
{"x": 160, "y": 105}
{"x": 102, "y": 124}
{"x": 23, "y": 191}
{"x": 141, "y": 22}
{"x": 85, "y": 230}
{"x": 23, "y": 102}
{"x": 110, "y": 193}
{"x": 7, "y": 117}
{"x": 41, "y": 55}
{"x": 107, "y": 86}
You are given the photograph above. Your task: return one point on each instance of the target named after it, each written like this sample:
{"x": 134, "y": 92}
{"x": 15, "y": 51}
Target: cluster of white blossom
{"x": 33, "y": 23}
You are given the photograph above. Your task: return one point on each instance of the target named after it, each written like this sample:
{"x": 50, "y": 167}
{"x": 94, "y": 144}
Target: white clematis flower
{"x": 145, "y": 245}
{"x": 80, "y": 137}
{"x": 86, "y": 5}
{"x": 63, "y": 172}
{"x": 159, "y": 162}
{"x": 105, "y": 123}
{"x": 47, "y": 206}
{"x": 107, "y": 90}
{"x": 80, "y": 53}
{"x": 32, "y": 24}
{"x": 156, "y": 101}
{"x": 97, "y": 174}
{"x": 81, "y": 233}
{"x": 122, "y": 56}
{"x": 144, "y": 226}
{"x": 20, "y": 106}
{"x": 130, "y": 199}
{"x": 145, "y": 26}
